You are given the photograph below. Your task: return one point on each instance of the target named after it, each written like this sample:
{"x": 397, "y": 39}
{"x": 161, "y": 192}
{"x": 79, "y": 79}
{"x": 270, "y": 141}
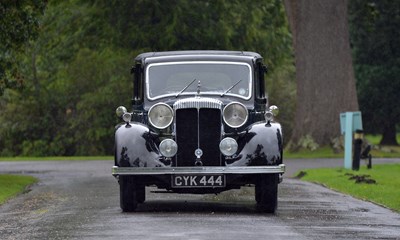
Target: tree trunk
{"x": 389, "y": 135}
{"x": 324, "y": 70}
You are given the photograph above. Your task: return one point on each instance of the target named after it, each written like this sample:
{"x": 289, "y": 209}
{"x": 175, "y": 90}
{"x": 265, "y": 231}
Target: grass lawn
{"x": 376, "y": 139}
{"x": 385, "y": 191}
{"x": 383, "y": 151}
{"x": 327, "y": 152}
{"x": 324, "y": 152}
{"x": 12, "y": 185}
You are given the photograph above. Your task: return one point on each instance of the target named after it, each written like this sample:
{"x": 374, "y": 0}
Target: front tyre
{"x": 141, "y": 194}
{"x": 266, "y": 193}
{"x": 127, "y": 193}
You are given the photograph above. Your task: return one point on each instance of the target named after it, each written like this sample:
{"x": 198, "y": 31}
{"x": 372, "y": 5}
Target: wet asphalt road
{"x": 80, "y": 200}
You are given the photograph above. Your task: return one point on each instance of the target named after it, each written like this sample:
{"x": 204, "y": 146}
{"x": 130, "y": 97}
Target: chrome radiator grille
{"x": 198, "y": 125}
{"x": 198, "y": 103}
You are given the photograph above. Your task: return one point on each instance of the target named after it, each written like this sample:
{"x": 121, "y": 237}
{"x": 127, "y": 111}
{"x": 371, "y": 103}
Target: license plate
{"x": 196, "y": 181}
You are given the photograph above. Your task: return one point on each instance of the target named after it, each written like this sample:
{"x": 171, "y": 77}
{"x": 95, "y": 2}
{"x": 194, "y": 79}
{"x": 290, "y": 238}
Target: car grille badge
{"x": 198, "y": 152}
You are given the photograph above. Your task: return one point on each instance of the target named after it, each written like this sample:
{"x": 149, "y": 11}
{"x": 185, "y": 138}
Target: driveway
{"x": 80, "y": 200}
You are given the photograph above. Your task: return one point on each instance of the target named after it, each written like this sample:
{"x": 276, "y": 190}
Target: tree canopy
{"x": 375, "y": 38}
{"x": 19, "y": 23}
{"x": 77, "y": 70}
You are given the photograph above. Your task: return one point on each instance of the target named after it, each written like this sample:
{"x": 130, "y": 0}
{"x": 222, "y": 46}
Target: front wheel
{"x": 127, "y": 192}
{"x": 141, "y": 194}
{"x": 266, "y": 193}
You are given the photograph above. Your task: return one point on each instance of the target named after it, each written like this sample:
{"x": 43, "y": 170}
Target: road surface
{"x": 80, "y": 200}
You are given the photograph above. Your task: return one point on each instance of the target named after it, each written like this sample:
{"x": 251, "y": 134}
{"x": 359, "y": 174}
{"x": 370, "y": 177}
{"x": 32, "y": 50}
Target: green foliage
{"x": 259, "y": 26}
{"x": 376, "y": 49}
{"x": 281, "y": 88}
{"x": 19, "y": 23}
{"x": 77, "y": 70}
{"x": 384, "y": 192}
{"x": 12, "y": 185}
{"x": 101, "y": 89}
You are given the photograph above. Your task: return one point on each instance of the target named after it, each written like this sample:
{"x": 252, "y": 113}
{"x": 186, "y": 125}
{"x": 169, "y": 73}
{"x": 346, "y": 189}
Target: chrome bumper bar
{"x": 197, "y": 170}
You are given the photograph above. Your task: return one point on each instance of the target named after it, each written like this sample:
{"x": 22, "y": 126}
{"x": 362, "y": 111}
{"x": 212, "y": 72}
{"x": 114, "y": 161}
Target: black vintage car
{"x": 200, "y": 123}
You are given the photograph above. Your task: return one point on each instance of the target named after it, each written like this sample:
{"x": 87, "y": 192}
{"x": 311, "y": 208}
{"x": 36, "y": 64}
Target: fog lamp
{"x": 168, "y": 148}
{"x": 228, "y": 146}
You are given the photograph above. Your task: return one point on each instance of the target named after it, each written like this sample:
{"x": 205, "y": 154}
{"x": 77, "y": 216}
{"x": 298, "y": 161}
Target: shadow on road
{"x": 197, "y": 207}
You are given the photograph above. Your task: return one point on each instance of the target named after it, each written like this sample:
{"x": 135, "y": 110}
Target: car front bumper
{"x": 143, "y": 171}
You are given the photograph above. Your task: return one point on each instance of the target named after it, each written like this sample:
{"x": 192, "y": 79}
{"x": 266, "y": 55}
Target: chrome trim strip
{"x": 197, "y": 170}
{"x": 198, "y": 62}
{"x": 201, "y": 102}
{"x": 201, "y": 55}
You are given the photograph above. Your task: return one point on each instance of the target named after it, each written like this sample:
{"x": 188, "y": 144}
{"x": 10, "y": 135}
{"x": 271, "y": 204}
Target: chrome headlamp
{"x": 235, "y": 114}
{"x": 168, "y": 148}
{"x": 124, "y": 114}
{"x": 161, "y": 115}
{"x": 120, "y": 111}
{"x": 228, "y": 146}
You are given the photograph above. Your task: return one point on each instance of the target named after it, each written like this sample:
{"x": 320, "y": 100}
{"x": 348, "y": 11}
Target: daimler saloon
{"x": 200, "y": 122}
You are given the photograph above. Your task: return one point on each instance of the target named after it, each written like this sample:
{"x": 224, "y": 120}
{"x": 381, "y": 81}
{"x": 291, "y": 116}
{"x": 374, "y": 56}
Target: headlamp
{"x": 161, "y": 115}
{"x": 235, "y": 114}
{"x": 120, "y": 111}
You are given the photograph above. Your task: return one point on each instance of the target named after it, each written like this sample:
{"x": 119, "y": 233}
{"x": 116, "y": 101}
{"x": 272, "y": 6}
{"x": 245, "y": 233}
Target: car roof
{"x": 193, "y": 55}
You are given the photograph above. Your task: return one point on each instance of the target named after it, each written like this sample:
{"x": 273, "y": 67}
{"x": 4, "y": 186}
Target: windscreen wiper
{"x": 179, "y": 93}
{"x": 234, "y": 85}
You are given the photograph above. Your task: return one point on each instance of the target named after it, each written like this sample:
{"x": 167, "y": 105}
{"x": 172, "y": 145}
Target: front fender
{"x": 262, "y": 144}
{"x": 135, "y": 146}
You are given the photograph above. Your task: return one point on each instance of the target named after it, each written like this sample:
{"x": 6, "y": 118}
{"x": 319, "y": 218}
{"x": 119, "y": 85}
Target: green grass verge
{"x": 79, "y": 158}
{"x": 383, "y": 151}
{"x": 327, "y": 152}
{"x": 12, "y": 185}
{"x": 323, "y": 152}
{"x": 376, "y": 139}
{"x": 385, "y": 191}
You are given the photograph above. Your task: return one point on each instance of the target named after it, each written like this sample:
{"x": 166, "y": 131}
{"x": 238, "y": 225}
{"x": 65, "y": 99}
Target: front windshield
{"x": 184, "y": 78}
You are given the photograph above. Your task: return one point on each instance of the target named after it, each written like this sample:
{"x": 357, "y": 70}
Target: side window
{"x": 137, "y": 84}
{"x": 260, "y": 82}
